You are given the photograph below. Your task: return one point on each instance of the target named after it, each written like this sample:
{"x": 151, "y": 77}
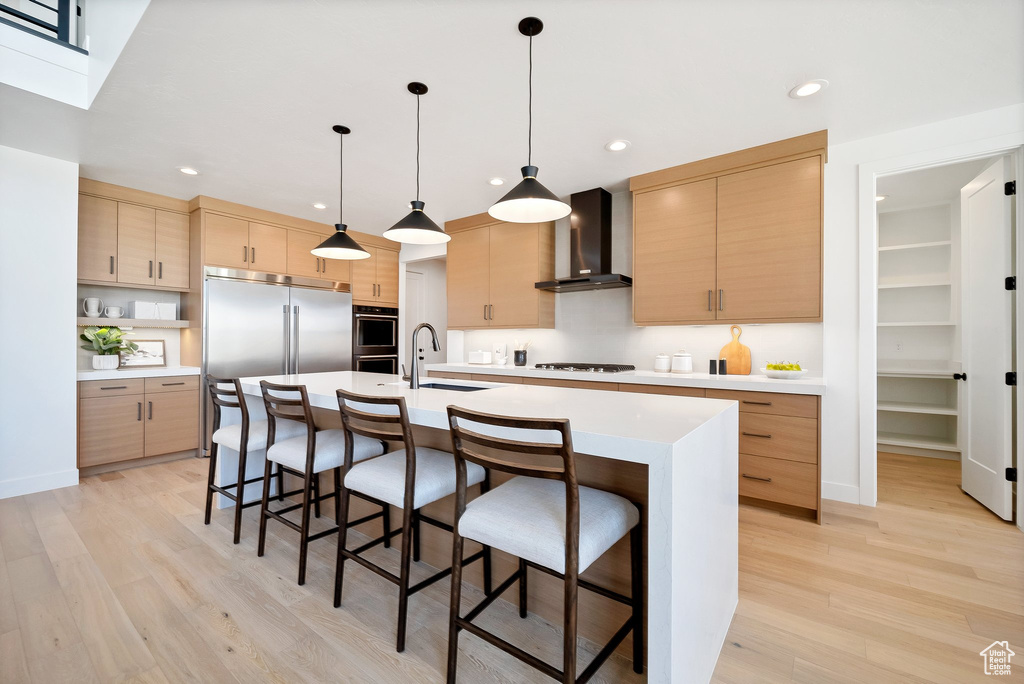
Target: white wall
{"x": 38, "y": 205}
{"x": 848, "y": 411}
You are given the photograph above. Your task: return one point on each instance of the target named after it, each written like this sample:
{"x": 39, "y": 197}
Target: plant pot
{"x": 106, "y": 361}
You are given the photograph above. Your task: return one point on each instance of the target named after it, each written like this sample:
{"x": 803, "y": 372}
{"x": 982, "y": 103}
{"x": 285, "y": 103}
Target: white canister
{"x": 682, "y": 362}
{"x": 662, "y": 363}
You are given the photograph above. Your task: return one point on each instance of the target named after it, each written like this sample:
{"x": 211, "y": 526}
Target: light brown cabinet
{"x": 227, "y": 241}
{"x": 136, "y": 244}
{"x": 734, "y": 239}
{"x": 375, "y": 280}
{"x": 172, "y": 250}
{"x": 97, "y": 239}
{"x": 122, "y": 420}
{"x": 300, "y": 261}
{"x": 491, "y": 271}
{"x": 268, "y": 248}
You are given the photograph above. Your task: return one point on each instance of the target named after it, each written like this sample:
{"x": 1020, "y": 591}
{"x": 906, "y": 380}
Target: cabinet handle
{"x": 490, "y": 312}
{"x": 245, "y": 254}
{"x": 318, "y": 264}
{"x": 150, "y": 268}
{"x": 746, "y": 434}
{"x": 759, "y": 479}
{"x": 757, "y": 403}
{"x": 253, "y": 259}
{"x": 485, "y": 312}
{"x": 171, "y": 384}
{"x": 721, "y": 300}
{"x": 139, "y": 416}
{"x": 111, "y": 264}
{"x": 709, "y": 301}
{"x": 150, "y": 410}
{"x": 324, "y": 269}
{"x": 160, "y": 270}
{"x": 117, "y": 387}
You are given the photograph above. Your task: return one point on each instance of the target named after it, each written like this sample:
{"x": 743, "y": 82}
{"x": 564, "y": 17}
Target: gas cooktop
{"x": 587, "y": 367}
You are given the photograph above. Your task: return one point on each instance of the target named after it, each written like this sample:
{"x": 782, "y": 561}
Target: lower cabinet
{"x": 135, "y": 418}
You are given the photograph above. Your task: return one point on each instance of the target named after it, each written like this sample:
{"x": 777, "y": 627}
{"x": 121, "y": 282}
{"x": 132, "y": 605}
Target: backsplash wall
{"x": 596, "y": 326}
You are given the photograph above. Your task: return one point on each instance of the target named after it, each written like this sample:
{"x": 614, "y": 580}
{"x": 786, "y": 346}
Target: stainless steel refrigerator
{"x": 264, "y": 324}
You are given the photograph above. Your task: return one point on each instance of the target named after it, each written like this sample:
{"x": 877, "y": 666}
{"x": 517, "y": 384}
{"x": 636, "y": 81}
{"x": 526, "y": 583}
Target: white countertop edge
{"x": 753, "y": 382}
{"x": 161, "y": 372}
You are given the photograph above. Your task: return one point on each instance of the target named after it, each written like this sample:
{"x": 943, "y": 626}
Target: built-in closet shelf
{"x": 916, "y": 245}
{"x": 915, "y": 324}
{"x": 892, "y": 368}
{"x": 910, "y": 407}
{"x": 84, "y": 322}
{"x": 916, "y": 441}
{"x": 915, "y": 283}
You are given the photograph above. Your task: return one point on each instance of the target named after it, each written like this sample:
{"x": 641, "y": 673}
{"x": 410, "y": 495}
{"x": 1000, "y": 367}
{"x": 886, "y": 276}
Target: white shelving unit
{"x": 918, "y": 331}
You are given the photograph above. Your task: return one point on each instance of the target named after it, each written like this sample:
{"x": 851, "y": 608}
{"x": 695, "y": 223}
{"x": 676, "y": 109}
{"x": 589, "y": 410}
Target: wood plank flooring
{"x": 118, "y": 580}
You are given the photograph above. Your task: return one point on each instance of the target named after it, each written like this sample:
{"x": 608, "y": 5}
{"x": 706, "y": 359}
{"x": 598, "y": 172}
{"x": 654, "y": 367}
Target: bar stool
{"x": 246, "y": 437}
{"x": 410, "y": 478}
{"x": 547, "y": 520}
{"x": 306, "y": 456}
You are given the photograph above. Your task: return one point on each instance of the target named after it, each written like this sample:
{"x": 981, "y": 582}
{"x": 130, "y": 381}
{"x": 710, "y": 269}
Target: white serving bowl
{"x": 784, "y": 375}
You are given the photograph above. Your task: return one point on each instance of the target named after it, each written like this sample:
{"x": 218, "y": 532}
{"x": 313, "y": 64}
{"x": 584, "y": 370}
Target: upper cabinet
{"x": 236, "y": 243}
{"x": 732, "y": 239}
{"x": 491, "y": 271}
{"x": 375, "y": 280}
{"x": 132, "y": 237}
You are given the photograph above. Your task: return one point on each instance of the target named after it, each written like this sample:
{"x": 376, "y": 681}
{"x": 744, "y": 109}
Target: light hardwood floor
{"x": 118, "y": 580}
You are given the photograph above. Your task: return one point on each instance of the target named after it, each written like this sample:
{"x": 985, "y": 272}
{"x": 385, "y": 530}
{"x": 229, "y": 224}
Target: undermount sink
{"x": 454, "y": 388}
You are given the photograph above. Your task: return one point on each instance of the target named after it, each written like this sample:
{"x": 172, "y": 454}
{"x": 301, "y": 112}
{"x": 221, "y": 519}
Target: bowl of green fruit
{"x": 784, "y": 371}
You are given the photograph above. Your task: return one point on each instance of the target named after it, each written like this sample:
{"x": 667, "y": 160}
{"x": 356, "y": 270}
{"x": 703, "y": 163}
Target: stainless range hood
{"x": 590, "y": 246}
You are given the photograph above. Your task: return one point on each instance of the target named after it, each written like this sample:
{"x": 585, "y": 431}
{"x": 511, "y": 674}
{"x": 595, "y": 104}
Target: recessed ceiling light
{"x": 188, "y": 171}
{"x": 319, "y": 205}
{"x": 879, "y": 198}
{"x": 617, "y": 145}
{"x": 497, "y": 181}
{"x": 808, "y": 88}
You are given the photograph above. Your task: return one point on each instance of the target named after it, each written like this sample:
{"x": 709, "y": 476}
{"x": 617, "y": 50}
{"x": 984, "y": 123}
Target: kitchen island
{"x": 676, "y": 456}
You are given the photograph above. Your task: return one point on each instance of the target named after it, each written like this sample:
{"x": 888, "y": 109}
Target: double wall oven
{"x": 375, "y": 339}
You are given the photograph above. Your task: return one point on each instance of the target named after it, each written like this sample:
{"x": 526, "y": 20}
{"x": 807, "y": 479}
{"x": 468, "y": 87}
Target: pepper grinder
{"x": 721, "y": 367}
{"x": 713, "y": 367}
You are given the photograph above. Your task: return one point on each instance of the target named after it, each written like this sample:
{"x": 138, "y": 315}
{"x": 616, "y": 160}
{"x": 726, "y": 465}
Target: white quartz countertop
{"x": 120, "y": 374}
{"x": 624, "y": 426}
{"x": 755, "y": 382}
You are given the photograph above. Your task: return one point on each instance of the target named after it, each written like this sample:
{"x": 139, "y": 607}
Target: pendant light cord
{"x": 417, "y": 148}
{"x": 529, "y": 135}
{"x": 341, "y": 181}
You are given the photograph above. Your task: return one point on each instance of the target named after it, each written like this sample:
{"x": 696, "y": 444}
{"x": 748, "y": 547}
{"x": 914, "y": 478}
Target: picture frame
{"x": 150, "y": 354}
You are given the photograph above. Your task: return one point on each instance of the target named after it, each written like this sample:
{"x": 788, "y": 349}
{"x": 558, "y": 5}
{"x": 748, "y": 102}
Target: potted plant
{"x": 108, "y": 343}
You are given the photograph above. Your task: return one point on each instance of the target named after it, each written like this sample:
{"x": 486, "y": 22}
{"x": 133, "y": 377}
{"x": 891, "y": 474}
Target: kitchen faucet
{"x": 414, "y": 373}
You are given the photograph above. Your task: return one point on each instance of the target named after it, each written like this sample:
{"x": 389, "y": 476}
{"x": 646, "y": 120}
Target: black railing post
{"x": 64, "y": 19}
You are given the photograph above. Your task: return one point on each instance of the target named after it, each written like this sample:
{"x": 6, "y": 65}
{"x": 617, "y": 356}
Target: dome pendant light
{"x": 417, "y": 228}
{"x": 529, "y": 202}
{"x": 340, "y": 245}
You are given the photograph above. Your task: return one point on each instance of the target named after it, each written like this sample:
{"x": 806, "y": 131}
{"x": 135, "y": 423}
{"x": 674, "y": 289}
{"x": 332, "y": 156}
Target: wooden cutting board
{"x": 736, "y": 355}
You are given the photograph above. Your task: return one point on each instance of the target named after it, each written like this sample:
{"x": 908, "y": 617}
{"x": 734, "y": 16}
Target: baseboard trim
{"x": 38, "y": 483}
{"x": 836, "y": 491}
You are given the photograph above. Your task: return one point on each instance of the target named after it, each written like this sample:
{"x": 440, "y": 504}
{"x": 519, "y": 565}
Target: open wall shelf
{"x": 84, "y": 322}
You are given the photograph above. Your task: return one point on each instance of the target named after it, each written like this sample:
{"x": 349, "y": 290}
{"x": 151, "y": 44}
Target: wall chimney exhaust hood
{"x": 590, "y": 246}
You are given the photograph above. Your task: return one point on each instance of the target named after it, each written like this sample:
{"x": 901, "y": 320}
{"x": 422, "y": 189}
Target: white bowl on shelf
{"x": 784, "y": 375}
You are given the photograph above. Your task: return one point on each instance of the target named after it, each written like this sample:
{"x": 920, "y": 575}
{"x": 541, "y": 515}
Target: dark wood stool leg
{"x": 307, "y": 495}
{"x": 522, "y": 588}
{"x": 280, "y": 483}
{"x": 387, "y": 526}
{"x": 339, "y": 568}
{"x": 316, "y": 494}
{"x": 485, "y": 487}
{"x": 569, "y": 625}
{"x": 455, "y": 607}
{"x": 416, "y": 536}
{"x": 264, "y": 506}
{"x": 636, "y": 553}
{"x": 240, "y": 492}
{"x": 337, "y": 496}
{"x": 209, "y": 481}
{"x": 403, "y": 586}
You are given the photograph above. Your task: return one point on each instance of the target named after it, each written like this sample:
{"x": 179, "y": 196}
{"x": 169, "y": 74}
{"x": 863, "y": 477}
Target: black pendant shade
{"x": 417, "y": 228}
{"x": 529, "y": 202}
{"x": 340, "y": 245}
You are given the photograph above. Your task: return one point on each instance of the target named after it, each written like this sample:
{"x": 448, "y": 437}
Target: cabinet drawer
{"x": 785, "y": 437}
{"x": 449, "y": 375}
{"x": 172, "y": 383}
{"x": 507, "y": 379}
{"x": 575, "y": 384}
{"x": 663, "y": 389}
{"x": 111, "y": 388}
{"x": 786, "y": 482}
{"x": 801, "y": 405}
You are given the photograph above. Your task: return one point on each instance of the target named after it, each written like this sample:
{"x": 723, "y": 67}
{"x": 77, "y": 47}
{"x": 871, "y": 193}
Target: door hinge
{"x": 1010, "y": 188}
{"x": 1011, "y": 283}
{"x": 1011, "y": 378}
{"x": 1011, "y": 474}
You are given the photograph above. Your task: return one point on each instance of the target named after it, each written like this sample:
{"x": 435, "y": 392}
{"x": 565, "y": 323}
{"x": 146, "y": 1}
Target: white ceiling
{"x": 247, "y": 90}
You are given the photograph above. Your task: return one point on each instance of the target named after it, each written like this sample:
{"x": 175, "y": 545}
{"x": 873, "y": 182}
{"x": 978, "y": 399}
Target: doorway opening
{"x": 426, "y": 301}
{"x": 946, "y": 334}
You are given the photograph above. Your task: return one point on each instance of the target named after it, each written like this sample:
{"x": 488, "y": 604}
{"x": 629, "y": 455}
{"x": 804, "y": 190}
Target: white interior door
{"x": 987, "y": 325}
{"x": 414, "y": 311}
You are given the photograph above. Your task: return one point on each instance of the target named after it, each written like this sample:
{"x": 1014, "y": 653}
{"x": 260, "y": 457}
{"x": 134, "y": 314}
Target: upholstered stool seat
{"x": 230, "y": 436}
{"x": 384, "y": 478}
{"x": 329, "y": 454}
{"x": 538, "y": 508}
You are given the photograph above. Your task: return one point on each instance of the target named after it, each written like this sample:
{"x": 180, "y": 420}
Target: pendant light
{"x": 417, "y": 228}
{"x": 529, "y": 202}
{"x": 340, "y": 245}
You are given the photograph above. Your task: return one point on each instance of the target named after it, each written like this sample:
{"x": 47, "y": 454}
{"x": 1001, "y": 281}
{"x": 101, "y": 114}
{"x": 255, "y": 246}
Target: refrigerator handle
{"x": 295, "y": 339}
{"x": 287, "y": 360}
